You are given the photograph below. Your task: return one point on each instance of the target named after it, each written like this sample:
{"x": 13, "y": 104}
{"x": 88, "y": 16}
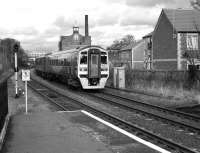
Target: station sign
{"x": 25, "y": 75}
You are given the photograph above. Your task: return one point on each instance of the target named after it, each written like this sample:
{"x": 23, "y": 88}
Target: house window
{"x": 192, "y": 41}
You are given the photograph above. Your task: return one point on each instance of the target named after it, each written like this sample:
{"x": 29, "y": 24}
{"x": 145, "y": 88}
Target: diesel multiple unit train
{"x": 86, "y": 67}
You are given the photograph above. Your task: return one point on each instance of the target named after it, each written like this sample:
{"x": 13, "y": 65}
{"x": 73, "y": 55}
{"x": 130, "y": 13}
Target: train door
{"x": 94, "y": 65}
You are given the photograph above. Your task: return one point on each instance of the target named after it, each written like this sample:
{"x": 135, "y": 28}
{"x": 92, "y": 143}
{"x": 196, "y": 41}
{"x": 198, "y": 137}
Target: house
{"x": 76, "y": 39}
{"x": 131, "y": 56}
{"x": 125, "y": 55}
{"x": 138, "y": 55}
{"x": 177, "y": 32}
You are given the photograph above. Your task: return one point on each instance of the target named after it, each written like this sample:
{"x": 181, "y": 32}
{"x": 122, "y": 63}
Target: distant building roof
{"x": 184, "y": 20}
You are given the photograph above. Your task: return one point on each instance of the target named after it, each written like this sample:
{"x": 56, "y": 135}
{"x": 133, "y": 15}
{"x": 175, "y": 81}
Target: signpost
{"x": 26, "y": 77}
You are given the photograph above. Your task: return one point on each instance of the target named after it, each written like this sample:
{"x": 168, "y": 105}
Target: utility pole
{"x": 16, "y": 49}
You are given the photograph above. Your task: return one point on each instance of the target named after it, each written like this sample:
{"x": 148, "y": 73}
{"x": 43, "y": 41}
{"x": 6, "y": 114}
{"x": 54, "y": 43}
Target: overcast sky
{"x": 39, "y": 23}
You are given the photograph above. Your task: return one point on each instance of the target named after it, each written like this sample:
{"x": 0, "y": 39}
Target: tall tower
{"x": 86, "y": 26}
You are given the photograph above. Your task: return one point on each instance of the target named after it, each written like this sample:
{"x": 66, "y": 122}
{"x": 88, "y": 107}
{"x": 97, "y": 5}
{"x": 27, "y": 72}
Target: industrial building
{"x": 76, "y": 39}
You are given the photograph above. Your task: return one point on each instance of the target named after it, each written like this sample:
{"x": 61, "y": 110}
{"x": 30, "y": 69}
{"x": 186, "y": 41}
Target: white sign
{"x": 25, "y": 75}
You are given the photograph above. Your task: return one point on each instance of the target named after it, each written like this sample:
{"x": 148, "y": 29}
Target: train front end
{"x": 93, "y": 68}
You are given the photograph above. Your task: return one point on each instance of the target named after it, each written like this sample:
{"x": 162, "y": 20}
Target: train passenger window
{"x": 83, "y": 59}
{"x": 103, "y": 59}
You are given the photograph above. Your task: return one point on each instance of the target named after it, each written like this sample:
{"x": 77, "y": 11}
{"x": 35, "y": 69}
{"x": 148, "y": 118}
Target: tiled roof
{"x": 184, "y": 20}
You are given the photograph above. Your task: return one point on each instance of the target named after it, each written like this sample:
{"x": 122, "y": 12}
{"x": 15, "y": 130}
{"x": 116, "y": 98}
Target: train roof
{"x": 57, "y": 53}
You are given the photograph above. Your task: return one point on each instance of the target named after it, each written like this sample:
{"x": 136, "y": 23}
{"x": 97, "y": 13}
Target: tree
{"x": 8, "y": 43}
{"x": 124, "y": 41}
{"x": 195, "y": 4}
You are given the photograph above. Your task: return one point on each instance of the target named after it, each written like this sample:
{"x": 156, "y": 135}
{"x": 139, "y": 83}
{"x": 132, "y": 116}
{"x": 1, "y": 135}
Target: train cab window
{"x": 83, "y": 58}
{"x": 94, "y": 59}
{"x": 103, "y": 59}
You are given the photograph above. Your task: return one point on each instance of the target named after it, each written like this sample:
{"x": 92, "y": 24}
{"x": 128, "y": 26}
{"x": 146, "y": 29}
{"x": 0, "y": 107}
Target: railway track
{"x": 191, "y": 127}
{"x": 129, "y": 105}
{"x": 163, "y": 109}
{"x": 81, "y": 103}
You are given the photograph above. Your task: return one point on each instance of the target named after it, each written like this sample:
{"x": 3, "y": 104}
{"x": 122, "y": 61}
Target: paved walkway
{"x": 49, "y": 132}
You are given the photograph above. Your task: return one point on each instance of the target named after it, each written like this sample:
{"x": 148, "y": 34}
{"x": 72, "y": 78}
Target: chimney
{"x": 86, "y": 26}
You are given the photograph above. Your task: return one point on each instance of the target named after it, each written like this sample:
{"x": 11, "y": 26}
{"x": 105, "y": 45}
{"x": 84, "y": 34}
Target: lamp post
{"x": 16, "y": 49}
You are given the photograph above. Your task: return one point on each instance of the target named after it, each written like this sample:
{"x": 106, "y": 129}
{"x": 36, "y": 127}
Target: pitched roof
{"x": 184, "y": 20}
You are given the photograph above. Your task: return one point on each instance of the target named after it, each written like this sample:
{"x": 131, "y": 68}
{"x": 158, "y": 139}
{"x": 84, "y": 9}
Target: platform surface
{"x": 48, "y": 132}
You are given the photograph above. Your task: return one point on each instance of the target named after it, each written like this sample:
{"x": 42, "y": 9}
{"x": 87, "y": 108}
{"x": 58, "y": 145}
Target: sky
{"x": 38, "y": 24}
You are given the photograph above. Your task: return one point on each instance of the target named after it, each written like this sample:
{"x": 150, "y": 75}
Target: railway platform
{"x": 45, "y": 129}
{"x": 48, "y": 132}
{"x": 65, "y": 132}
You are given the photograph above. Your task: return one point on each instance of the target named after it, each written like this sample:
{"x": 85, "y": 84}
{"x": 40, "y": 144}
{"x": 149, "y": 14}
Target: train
{"x": 85, "y": 67}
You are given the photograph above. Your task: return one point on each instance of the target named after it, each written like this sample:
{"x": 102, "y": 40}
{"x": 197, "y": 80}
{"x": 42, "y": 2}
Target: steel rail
{"x": 178, "y": 113}
{"x": 130, "y": 107}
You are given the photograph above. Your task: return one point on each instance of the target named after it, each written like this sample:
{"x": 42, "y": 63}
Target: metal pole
{"x": 16, "y": 79}
{"x": 26, "y": 96}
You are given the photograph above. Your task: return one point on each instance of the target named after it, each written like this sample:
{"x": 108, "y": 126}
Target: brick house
{"x": 177, "y": 31}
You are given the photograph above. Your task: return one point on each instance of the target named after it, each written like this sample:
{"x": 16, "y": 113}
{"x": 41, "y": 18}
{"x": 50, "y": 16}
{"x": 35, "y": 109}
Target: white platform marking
{"x": 127, "y": 133}
{"x": 69, "y": 111}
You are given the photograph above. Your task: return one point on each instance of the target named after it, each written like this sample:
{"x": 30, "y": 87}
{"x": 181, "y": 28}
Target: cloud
{"x": 39, "y": 43}
{"x": 140, "y": 16}
{"x": 148, "y": 3}
{"x": 107, "y": 19}
{"x": 63, "y": 23}
{"x": 153, "y": 3}
{"x": 25, "y": 31}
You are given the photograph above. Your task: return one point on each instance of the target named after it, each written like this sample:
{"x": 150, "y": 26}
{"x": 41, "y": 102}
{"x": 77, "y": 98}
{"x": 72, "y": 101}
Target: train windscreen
{"x": 83, "y": 58}
{"x": 103, "y": 58}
